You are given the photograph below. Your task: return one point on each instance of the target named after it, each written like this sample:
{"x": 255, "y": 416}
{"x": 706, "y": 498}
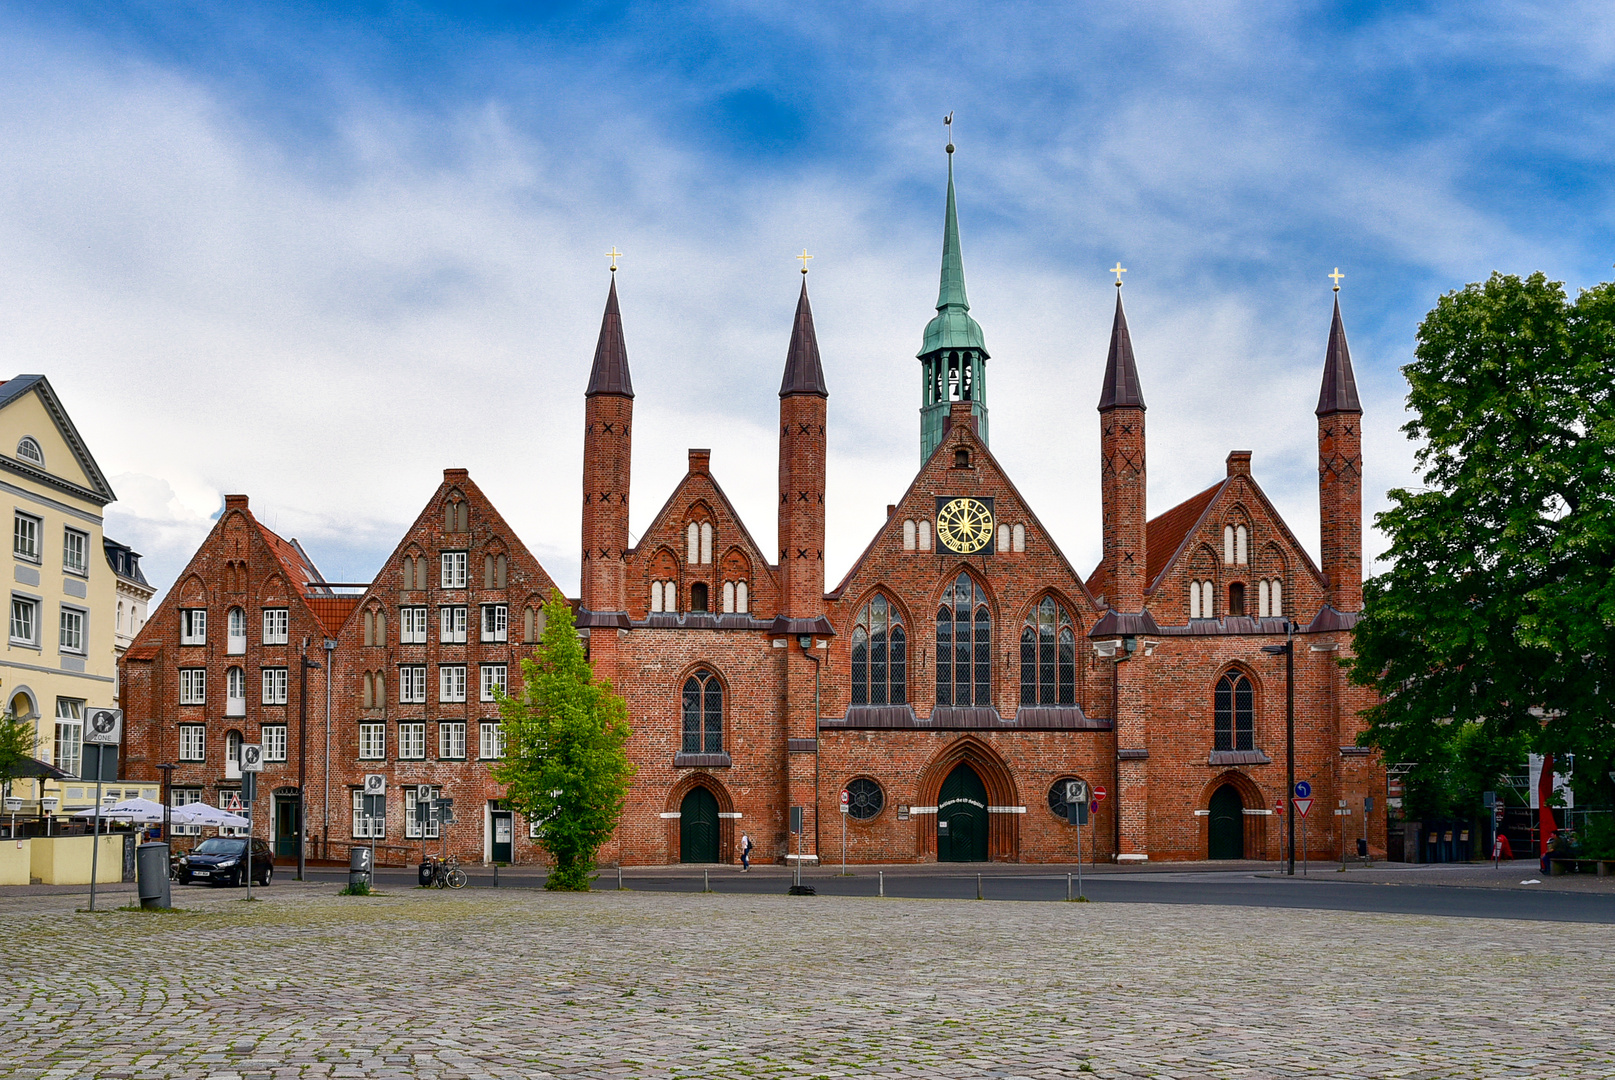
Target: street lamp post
{"x": 1287, "y": 650}
{"x": 168, "y": 800}
{"x": 302, "y": 761}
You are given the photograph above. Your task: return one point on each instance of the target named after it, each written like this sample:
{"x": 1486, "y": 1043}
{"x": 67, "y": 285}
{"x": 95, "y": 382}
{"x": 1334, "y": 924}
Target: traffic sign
{"x": 1302, "y": 806}
{"x": 1093, "y": 807}
{"x": 103, "y": 726}
{"x": 231, "y": 803}
{"x": 1099, "y": 793}
{"x": 1303, "y": 790}
{"x": 845, "y": 800}
{"x": 1278, "y": 807}
{"x": 252, "y": 757}
{"x": 1076, "y": 791}
{"x": 375, "y": 784}
{"x": 423, "y": 793}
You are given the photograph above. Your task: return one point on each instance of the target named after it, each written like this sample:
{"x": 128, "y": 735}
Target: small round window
{"x": 1057, "y": 804}
{"x": 864, "y": 799}
{"x": 29, "y": 450}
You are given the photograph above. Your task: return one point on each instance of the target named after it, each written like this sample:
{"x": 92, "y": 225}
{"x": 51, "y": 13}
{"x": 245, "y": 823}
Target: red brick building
{"x": 951, "y": 683}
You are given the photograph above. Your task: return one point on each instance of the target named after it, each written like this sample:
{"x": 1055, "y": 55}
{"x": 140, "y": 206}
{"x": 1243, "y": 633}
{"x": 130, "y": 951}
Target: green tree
{"x": 565, "y": 765}
{"x": 1498, "y": 609}
{"x": 18, "y": 740}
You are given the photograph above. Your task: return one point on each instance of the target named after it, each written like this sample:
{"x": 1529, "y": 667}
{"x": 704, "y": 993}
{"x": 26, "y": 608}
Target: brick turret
{"x": 608, "y": 415}
{"x": 1340, "y": 474}
{"x": 1121, "y": 472}
{"x": 802, "y": 407}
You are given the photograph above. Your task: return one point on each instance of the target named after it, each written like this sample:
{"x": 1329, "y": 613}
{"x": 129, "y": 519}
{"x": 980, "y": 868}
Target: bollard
{"x": 619, "y": 877}
{"x": 978, "y": 886}
{"x": 496, "y": 875}
{"x": 706, "y": 885}
{"x": 1068, "y": 886}
{"x": 883, "y": 879}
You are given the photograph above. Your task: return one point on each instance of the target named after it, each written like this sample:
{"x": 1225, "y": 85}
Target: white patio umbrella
{"x": 139, "y": 811}
{"x": 200, "y": 813}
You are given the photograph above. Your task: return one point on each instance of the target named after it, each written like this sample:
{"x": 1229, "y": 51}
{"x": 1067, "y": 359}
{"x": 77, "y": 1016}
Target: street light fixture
{"x": 1287, "y": 650}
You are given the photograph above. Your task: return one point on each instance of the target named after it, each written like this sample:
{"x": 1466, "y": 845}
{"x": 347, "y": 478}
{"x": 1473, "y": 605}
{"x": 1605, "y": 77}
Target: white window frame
{"x": 192, "y": 686}
{"x": 490, "y": 740}
{"x": 277, "y": 625}
{"x": 412, "y": 626}
{"x": 412, "y": 684}
{"x": 451, "y": 736}
{"x": 451, "y": 624}
{"x": 451, "y": 682}
{"x": 235, "y": 632}
{"x": 274, "y": 739}
{"x": 185, "y": 796}
{"x": 365, "y": 827}
{"x": 412, "y": 740}
{"x": 25, "y": 536}
{"x": 74, "y": 626}
{"x": 373, "y": 741}
{"x": 24, "y": 621}
{"x": 492, "y": 676}
{"x": 274, "y": 685}
{"x": 193, "y": 742}
{"x": 68, "y": 747}
{"x": 495, "y": 622}
{"x": 193, "y": 626}
{"x": 70, "y": 565}
{"x": 28, "y": 450}
{"x": 412, "y": 828}
{"x": 452, "y": 575}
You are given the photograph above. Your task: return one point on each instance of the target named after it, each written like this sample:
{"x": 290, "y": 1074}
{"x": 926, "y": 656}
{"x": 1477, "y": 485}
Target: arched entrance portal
{"x": 1226, "y": 834}
{"x": 961, "y": 817}
{"x": 698, "y": 827}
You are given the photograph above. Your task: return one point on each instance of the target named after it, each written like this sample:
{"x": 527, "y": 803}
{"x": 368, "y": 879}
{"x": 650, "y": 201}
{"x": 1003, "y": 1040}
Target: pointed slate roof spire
{"x": 803, "y": 372}
{"x": 952, "y": 328}
{"x": 1121, "y": 387}
{"x": 610, "y": 373}
{"x": 1339, "y": 391}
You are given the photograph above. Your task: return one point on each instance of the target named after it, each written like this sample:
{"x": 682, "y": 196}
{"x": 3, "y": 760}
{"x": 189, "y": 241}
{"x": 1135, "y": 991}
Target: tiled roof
{"x": 332, "y": 611}
{"x": 1163, "y": 535}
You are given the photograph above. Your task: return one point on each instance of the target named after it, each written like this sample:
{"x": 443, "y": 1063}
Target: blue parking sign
{"x": 1302, "y": 789}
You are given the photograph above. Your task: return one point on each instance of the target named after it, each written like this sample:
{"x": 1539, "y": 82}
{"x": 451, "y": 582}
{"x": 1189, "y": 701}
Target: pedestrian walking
{"x": 745, "y": 852}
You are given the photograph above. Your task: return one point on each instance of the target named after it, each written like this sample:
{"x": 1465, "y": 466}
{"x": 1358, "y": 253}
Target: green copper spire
{"x": 953, "y": 328}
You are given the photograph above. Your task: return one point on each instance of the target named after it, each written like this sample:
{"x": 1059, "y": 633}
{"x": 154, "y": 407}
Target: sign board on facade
{"x": 423, "y": 793}
{"x": 1076, "y": 791}
{"x": 252, "y": 758}
{"x": 1302, "y": 805}
{"x": 375, "y": 784}
{"x": 1099, "y": 793}
{"x": 103, "y": 727}
{"x": 1303, "y": 790}
{"x": 845, "y": 800}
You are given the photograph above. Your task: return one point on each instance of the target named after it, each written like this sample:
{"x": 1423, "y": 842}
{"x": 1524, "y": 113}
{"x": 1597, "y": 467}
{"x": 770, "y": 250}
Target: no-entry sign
{"x": 1099, "y": 793}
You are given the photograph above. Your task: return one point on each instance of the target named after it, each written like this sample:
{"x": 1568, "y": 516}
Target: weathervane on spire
{"x": 1336, "y": 276}
{"x": 613, "y": 255}
{"x": 1118, "y": 270}
{"x": 947, "y": 125}
{"x": 804, "y": 257}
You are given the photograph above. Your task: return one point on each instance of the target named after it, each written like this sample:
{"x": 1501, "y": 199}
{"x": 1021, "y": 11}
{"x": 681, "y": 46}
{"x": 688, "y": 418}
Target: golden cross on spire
{"x": 1118, "y": 270}
{"x": 804, "y": 257}
{"x": 1336, "y": 276}
{"x": 613, "y": 255}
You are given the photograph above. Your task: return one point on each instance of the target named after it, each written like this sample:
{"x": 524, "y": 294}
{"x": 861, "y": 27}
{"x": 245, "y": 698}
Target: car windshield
{"x": 221, "y": 845}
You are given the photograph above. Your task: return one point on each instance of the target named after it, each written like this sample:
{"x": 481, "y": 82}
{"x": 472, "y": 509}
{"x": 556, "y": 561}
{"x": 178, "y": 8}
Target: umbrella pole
{"x": 95, "y": 846}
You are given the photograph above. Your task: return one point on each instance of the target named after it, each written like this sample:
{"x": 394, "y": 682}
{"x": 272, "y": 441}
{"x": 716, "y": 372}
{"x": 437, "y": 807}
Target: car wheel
{"x": 269, "y": 873}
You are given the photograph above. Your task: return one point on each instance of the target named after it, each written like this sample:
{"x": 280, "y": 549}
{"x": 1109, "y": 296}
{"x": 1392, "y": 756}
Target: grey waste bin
{"x": 359, "y": 866}
{"x": 152, "y": 861}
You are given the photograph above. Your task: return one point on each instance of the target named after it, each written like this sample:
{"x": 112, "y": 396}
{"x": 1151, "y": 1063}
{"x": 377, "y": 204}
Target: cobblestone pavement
{"x": 615, "y": 985}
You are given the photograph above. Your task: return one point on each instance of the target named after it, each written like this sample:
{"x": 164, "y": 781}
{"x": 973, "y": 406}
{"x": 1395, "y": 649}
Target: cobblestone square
{"x": 614, "y": 985}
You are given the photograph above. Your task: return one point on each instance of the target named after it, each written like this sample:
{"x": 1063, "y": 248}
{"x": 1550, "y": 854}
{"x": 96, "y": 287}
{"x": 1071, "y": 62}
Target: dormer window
{"x": 29, "y": 450}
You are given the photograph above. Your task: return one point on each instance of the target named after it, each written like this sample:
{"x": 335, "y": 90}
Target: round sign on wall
{"x": 1303, "y": 789}
{"x": 1099, "y": 793}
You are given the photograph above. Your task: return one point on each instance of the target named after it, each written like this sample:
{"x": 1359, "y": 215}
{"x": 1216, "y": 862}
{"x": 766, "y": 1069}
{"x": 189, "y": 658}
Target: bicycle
{"x": 446, "y": 873}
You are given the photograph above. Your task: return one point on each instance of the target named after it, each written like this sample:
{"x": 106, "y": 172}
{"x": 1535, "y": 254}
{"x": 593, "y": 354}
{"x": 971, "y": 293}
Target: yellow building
{"x": 58, "y": 655}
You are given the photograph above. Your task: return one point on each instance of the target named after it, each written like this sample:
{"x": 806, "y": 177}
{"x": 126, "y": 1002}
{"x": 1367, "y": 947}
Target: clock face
{"x": 964, "y": 526}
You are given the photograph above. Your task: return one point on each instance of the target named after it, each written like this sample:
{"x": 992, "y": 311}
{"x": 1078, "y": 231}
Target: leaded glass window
{"x": 1236, "y": 713}
{"x": 1048, "y": 656}
{"x": 964, "y": 645}
{"x": 703, "y": 714}
{"x": 879, "y": 655}
{"x": 864, "y": 799}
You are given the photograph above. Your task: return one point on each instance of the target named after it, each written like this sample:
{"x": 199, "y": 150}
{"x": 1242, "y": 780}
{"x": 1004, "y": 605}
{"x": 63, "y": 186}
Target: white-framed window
{"x": 25, "y": 537}
{"x": 277, "y": 624}
{"x": 491, "y": 740}
{"x": 372, "y": 742}
{"x": 412, "y": 740}
{"x": 453, "y": 576}
{"x": 185, "y": 796}
{"x": 451, "y": 624}
{"x": 192, "y": 686}
{"x": 273, "y": 737}
{"x": 193, "y": 626}
{"x": 366, "y": 827}
{"x": 28, "y": 449}
{"x": 451, "y": 739}
{"x": 451, "y": 682}
{"x": 24, "y": 621}
{"x": 192, "y": 742}
{"x": 412, "y": 822}
{"x": 235, "y": 692}
{"x": 235, "y": 632}
{"x": 274, "y": 685}
{"x": 75, "y": 551}
{"x": 412, "y": 685}
{"x": 493, "y": 679}
{"x": 69, "y": 745}
{"x": 72, "y": 630}
{"x": 494, "y": 620}
{"x": 412, "y": 626}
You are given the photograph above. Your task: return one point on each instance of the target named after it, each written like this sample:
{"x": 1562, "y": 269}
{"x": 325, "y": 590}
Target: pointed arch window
{"x": 1236, "y": 713}
{"x": 964, "y": 645}
{"x": 879, "y": 655}
{"x": 1048, "y": 656}
{"x": 703, "y": 713}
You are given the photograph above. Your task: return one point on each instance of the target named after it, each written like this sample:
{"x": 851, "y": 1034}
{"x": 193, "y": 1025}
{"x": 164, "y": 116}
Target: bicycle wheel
{"x": 456, "y": 879}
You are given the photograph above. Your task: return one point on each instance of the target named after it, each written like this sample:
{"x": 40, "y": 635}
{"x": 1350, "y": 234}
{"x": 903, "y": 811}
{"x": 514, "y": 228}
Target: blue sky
{"x": 318, "y": 255}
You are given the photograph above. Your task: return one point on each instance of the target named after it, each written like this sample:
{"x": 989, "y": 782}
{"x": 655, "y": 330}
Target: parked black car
{"x": 222, "y": 860}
